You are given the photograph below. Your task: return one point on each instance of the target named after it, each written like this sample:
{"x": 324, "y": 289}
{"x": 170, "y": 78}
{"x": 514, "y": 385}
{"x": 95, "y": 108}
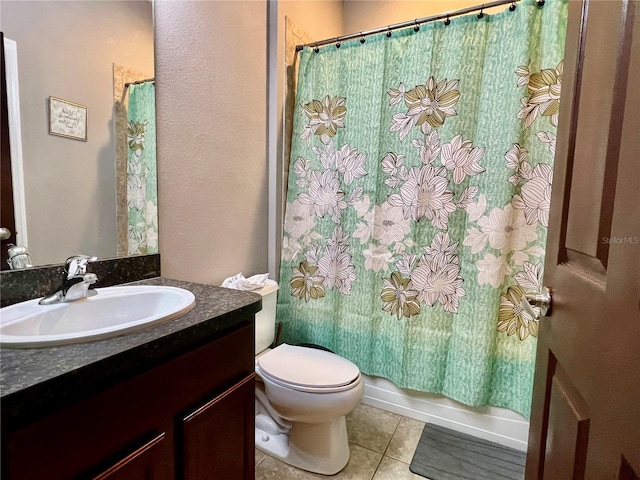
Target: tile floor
{"x": 382, "y": 445}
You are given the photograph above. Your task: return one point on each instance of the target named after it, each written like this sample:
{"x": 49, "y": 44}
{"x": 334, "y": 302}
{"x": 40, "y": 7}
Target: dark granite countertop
{"x": 35, "y": 382}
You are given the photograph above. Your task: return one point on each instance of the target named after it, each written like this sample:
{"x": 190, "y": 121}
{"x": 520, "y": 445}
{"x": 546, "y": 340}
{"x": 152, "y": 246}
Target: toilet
{"x": 302, "y": 397}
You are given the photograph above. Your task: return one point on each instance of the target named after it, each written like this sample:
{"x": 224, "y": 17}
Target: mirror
{"x": 89, "y": 186}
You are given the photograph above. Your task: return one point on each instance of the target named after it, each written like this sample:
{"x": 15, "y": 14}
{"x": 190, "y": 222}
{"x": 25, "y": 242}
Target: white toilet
{"x": 302, "y": 397}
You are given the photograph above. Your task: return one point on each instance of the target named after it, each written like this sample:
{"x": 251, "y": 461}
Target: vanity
{"x": 175, "y": 400}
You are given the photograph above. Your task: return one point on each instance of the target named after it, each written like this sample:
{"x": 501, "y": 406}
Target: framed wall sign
{"x": 67, "y": 119}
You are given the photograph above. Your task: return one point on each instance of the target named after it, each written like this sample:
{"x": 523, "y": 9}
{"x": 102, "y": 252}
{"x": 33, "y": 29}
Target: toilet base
{"x": 316, "y": 447}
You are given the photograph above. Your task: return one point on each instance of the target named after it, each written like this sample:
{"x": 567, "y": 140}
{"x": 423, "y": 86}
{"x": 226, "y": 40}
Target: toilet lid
{"x": 307, "y": 367}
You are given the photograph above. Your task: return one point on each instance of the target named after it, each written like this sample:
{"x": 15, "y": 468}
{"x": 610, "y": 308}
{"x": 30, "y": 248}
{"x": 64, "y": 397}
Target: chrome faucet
{"x": 76, "y": 283}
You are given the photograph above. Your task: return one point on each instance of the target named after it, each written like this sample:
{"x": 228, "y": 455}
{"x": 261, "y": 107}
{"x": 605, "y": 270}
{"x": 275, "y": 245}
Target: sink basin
{"x": 113, "y": 311}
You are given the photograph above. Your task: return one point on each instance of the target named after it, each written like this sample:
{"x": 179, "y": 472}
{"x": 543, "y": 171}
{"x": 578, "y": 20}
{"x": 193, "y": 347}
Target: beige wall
{"x": 66, "y": 50}
{"x": 319, "y": 18}
{"x": 360, "y": 15}
{"x": 212, "y": 97}
{"x": 211, "y": 78}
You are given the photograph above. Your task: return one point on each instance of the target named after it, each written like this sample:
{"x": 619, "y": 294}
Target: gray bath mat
{"x": 443, "y": 454}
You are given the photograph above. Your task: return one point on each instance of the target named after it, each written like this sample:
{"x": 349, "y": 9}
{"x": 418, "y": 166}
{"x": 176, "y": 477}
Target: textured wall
{"x": 211, "y": 78}
{"x": 362, "y": 15}
{"x": 67, "y": 50}
{"x": 319, "y": 18}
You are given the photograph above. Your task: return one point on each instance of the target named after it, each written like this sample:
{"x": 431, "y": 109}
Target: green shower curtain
{"x": 418, "y": 201}
{"x": 142, "y": 190}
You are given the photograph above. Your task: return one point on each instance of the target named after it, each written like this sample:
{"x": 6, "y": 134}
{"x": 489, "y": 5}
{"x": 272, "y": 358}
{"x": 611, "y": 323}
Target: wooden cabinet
{"x": 145, "y": 463}
{"x": 189, "y": 418}
{"x": 224, "y": 424}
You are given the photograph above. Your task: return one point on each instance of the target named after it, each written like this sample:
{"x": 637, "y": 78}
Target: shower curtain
{"x": 418, "y": 201}
{"x": 142, "y": 191}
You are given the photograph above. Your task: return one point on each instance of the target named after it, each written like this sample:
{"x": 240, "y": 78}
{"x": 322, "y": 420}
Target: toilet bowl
{"x": 302, "y": 397}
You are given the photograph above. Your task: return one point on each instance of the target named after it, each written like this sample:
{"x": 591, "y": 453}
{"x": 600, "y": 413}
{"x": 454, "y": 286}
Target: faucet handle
{"x": 77, "y": 265}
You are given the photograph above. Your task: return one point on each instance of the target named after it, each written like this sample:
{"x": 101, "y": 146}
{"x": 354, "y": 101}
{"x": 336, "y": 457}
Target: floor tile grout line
{"x": 373, "y": 451}
{"x": 392, "y": 435}
{"x": 397, "y": 458}
{"x": 264, "y": 455}
{"x": 377, "y": 467}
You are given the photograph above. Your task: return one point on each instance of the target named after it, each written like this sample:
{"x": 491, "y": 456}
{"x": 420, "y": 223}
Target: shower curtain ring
{"x": 481, "y": 14}
{"x": 447, "y": 22}
{"x": 512, "y": 7}
{"x": 389, "y": 32}
{"x": 316, "y": 49}
{"x": 337, "y": 43}
{"x": 417, "y": 27}
{"x": 362, "y": 40}
{"x": 540, "y": 3}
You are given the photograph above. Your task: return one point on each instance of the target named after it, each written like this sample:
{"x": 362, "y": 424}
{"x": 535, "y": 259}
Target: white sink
{"x": 113, "y": 311}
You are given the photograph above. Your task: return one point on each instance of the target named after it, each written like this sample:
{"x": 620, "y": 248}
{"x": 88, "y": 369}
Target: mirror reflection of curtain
{"x": 142, "y": 192}
{"x": 123, "y": 76}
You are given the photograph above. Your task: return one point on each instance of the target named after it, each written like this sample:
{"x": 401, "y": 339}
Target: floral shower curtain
{"x": 142, "y": 190}
{"x": 418, "y": 201}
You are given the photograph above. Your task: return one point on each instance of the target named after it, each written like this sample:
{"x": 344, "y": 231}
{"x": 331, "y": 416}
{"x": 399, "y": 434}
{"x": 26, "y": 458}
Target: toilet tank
{"x": 266, "y": 318}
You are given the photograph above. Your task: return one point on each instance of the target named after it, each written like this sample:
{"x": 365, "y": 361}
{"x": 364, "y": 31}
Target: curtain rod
{"x": 138, "y": 82}
{"x": 414, "y": 23}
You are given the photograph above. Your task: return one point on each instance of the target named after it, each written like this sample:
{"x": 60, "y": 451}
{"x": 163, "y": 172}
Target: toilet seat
{"x": 307, "y": 369}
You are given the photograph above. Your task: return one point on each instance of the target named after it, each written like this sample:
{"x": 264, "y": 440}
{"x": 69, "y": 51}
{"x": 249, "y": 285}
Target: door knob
{"x": 5, "y": 233}
{"x": 541, "y": 299}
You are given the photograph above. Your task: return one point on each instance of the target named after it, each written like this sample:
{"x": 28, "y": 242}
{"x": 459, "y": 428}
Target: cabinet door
{"x": 146, "y": 462}
{"x": 218, "y": 437}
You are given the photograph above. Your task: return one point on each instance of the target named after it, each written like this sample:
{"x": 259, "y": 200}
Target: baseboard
{"x": 491, "y": 423}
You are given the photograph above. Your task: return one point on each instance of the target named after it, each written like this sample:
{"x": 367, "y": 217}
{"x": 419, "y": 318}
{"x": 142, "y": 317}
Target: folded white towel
{"x": 238, "y": 282}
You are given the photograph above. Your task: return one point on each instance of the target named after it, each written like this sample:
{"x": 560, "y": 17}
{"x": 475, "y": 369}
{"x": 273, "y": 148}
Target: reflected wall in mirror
{"x": 96, "y": 197}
